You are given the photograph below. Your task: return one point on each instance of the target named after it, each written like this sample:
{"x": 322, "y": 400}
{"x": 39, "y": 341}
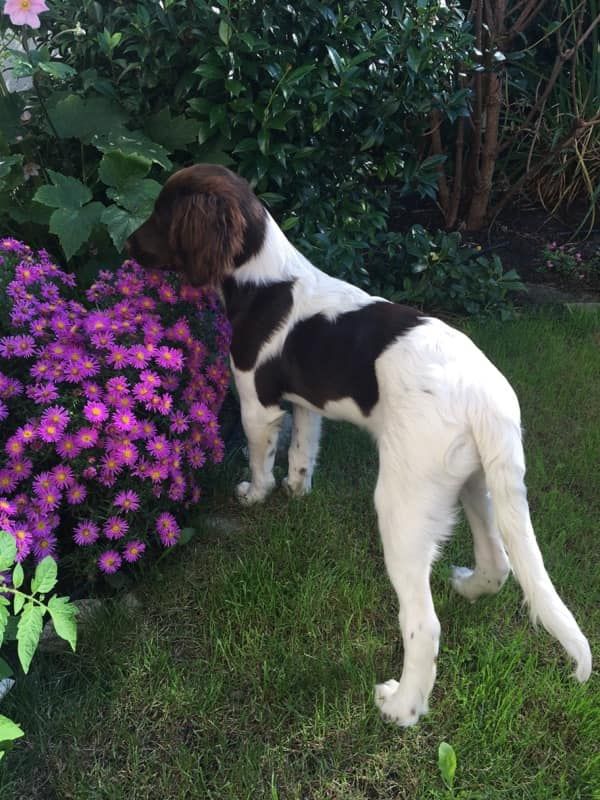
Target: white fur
{"x": 447, "y": 426}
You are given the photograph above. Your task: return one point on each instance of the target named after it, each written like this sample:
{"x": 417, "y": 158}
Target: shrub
{"x": 112, "y": 404}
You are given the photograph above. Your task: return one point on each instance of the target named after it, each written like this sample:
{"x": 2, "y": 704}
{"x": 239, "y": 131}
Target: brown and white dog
{"x": 446, "y": 422}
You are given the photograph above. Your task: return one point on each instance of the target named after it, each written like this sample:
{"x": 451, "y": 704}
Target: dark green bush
{"x": 323, "y": 108}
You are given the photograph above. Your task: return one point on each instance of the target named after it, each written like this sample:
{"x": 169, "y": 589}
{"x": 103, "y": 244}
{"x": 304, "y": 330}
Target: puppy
{"x": 446, "y": 422}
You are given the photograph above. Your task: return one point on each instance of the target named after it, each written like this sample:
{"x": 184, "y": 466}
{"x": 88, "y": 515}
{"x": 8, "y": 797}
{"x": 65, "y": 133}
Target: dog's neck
{"x": 277, "y": 260}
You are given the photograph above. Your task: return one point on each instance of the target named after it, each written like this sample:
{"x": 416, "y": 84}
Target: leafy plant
{"x": 25, "y": 622}
{"x": 567, "y": 261}
{"x": 447, "y": 764}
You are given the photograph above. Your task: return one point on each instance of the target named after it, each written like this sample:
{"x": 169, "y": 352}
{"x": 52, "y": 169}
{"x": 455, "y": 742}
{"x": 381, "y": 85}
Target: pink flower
{"x": 128, "y": 500}
{"x": 133, "y": 550}
{"x": 115, "y": 528}
{"x": 85, "y": 533}
{"x": 95, "y": 412}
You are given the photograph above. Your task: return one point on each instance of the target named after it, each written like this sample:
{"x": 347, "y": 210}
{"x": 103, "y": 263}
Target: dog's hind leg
{"x": 415, "y": 516}
{"x": 491, "y": 563}
{"x": 302, "y": 455}
{"x": 261, "y": 426}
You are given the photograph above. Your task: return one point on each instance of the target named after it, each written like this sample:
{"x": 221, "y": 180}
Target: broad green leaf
{"x": 133, "y": 143}
{"x": 5, "y": 670}
{"x": 9, "y": 730}
{"x": 73, "y": 226}
{"x": 8, "y": 162}
{"x": 263, "y": 140}
{"x": 186, "y": 535}
{"x": 57, "y": 69}
{"x": 8, "y": 551}
{"x": 74, "y": 117}
{"x": 120, "y": 224}
{"x": 136, "y": 196}
{"x": 64, "y": 192}
{"x": 210, "y": 71}
{"x": 447, "y": 763}
{"x": 63, "y": 615}
{"x": 18, "y": 576}
{"x": 117, "y": 168}
{"x": 29, "y": 631}
{"x": 44, "y": 578}
{"x": 171, "y": 132}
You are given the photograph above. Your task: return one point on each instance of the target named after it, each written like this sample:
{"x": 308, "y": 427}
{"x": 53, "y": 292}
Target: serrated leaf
{"x": 64, "y": 192}
{"x": 9, "y": 730}
{"x": 8, "y": 551}
{"x": 117, "y": 168}
{"x": 133, "y": 143}
{"x": 137, "y": 196}
{"x": 447, "y": 763}
{"x": 225, "y": 32}
{"x": 44, "y": 578}
{"x": 63, "y": 614}
{"x": 74, "y": 117}
{"x": 73, "y": 226}
{"x": 5, "y": 670}
{"x": 120, "y": 224}
{"x": 18, "y": 576}
{"x": 29, "y": 631}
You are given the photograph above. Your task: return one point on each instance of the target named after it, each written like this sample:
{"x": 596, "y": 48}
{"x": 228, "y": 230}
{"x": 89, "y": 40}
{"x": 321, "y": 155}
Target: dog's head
{"x": 206, "y": 221}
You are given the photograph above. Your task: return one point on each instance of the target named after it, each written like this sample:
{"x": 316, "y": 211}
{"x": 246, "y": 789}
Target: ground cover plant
{"x": 249, "y": 669}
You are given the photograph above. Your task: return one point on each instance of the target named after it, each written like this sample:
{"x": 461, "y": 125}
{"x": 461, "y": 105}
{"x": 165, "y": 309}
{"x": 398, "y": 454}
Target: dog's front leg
{"x": 302, "y": 455}
{"x": 261, "y": 426}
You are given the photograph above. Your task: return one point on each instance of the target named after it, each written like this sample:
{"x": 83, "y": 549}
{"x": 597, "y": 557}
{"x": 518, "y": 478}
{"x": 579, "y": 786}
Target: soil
{"x": 519, "y": 236}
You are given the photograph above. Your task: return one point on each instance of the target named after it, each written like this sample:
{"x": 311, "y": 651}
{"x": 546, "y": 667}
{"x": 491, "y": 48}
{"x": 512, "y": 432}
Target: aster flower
{"x": 76, "y": 494}
{"x": 128, "y": 500}
{"x": 86, "y": 533}
{"x": 44, "y": 545}
{"x": 133, "y": 550}
{"x": 95, "y": 412}
{"x": 115, "y": 528}
{"x": 109, "y": 562}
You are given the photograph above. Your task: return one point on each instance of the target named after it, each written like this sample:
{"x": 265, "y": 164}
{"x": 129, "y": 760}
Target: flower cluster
{"x": 567, "y": 261}
{"x": 108, "y": 406}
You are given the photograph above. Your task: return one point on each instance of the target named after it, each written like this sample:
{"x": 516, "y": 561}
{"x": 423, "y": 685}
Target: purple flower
{"x": 95, "y": 412}
{"x": 86, "y": 533}
{"x": 128, "y": 500}
{"x": 44, "y": 545}
{"x": 109, "y": 562}
{"x": 133, "y": 550}
{"x": 115, "y": 528}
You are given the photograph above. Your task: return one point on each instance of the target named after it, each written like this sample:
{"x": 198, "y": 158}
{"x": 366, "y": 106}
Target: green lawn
{"x": 248, "y": 672}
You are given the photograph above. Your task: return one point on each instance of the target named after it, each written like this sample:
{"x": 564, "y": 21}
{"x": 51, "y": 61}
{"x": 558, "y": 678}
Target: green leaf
{"x": 44, "y": 579}
{"x": 74, "y": 117}
{"x": 5, "y": 670}
{"x": 336, "y": 59}
{"x": 120, "y": 224}
{"x": 186, "y": 535}
{"x": 29, "y": 631}
{"x": 447, "y": 763}
{"x": 3, "y": 621}
{"x": 210, "y": 71}
{"x": 8, "y": 162}
{"x": 64, "y": 192}
{"x": 73, "y": 226}
{"x": 137, "y": 196}
{"x": 63, "y": 615}
{"x": 116, "y": 168}
{"x": 263, "y": 140}
{"x": 57, "y": 69}
{"x": 133, "y": 143}
{"x": 18, "y": 576}
{"x": 8, "y": 551}
{"x": 225, "y": 31}
{"x": 174, "y": 133}
{"x": 18, "y": 602}
{"x": 9, "y": 730}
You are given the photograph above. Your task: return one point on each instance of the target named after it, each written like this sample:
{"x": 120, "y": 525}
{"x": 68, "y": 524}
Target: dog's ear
{"x": 206, "y": 233}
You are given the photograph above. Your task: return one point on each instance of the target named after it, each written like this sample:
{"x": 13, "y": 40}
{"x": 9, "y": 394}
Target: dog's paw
{"x": 471, "y": 584}
{"x": 296, "y": 487}
{"x": 248, "y": 493}
{"x": 396, "y": 707}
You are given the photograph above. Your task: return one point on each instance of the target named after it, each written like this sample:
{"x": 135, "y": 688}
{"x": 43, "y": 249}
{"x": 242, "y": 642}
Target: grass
{"x": 248, "y": 671}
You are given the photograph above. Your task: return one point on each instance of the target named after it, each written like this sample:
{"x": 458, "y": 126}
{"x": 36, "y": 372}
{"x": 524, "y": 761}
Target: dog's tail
{"x": 497, "y": 431}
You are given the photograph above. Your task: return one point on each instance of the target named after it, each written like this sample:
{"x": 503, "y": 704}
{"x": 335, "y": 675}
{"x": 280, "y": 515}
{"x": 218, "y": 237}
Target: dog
{"x": 446, "y": 421}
